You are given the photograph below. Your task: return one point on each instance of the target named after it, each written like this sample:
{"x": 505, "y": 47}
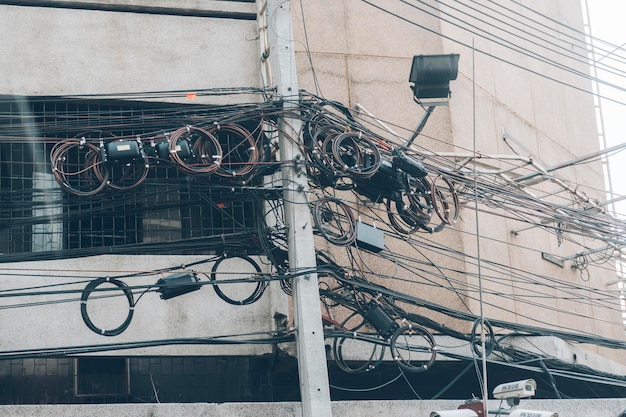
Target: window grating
{"x": 37, "y": 215}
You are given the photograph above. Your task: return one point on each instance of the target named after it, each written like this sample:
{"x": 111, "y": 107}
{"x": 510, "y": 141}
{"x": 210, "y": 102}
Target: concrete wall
{"x": 360, "y": 55}
{"x": 108, "y": 47}
{"x": 550, "y": 119}
{"x": 55, "y": 321}
{"x": 570, "y": 408}
{"x": 67, "y": 51}
{"x": 357, "y": 53}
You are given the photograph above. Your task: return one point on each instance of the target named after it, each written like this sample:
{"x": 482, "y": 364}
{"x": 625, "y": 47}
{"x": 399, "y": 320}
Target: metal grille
{"x": 37, "y": 215}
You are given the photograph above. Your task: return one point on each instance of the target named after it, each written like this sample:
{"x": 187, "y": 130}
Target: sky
{"x": 606, "y": 19}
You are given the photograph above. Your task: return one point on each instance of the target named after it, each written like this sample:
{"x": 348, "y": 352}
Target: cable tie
{"x": 83, "y": 301}
{"x": 107, "y": 279}
{"x": 354, "y": 334}
{"x": 131, "y": 308}
{"x": 102, "y": 331}
{"x": 188, "y": 129}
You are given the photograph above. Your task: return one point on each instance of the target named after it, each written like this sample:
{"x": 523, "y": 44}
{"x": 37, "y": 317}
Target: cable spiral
{"x": 259, "y": 286}
{"x": 334, "y": 220}
{"x": 195, "y": 151}
{"x": 401, "y": 353}
{"x": 73, "y": 164}
{"x": 89, "y": 289}
{"x": 239, "y": 150}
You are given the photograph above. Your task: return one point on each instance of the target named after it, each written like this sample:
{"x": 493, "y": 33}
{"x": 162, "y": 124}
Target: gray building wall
{"x": 360, "y": 55}
{"x": 105, "y": 48}
{"x": 542, "y": 107}
{"x": 68, "y": 50}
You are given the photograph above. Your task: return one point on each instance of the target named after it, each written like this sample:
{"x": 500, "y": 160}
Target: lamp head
{"x": 431, "y": 76}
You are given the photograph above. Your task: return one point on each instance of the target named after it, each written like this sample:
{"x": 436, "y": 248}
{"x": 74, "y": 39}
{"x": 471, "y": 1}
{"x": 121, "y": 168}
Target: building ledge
{"x": 408, "y": 408}
{"x": 194, "y": 8}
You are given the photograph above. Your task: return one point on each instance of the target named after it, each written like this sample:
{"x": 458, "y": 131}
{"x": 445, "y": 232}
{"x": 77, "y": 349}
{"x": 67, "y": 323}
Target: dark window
{"x": 38, "y": 215}
{"x": 101, "y": 377}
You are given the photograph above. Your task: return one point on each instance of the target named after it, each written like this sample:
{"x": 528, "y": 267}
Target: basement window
{"x": 101, "y": 377}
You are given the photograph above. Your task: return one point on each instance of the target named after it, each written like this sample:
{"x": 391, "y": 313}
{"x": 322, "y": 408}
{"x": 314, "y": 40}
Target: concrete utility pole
{"x": 312, "y": 368}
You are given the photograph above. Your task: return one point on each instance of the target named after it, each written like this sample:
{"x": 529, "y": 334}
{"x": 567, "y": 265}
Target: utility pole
{"x": 311, "y": 351}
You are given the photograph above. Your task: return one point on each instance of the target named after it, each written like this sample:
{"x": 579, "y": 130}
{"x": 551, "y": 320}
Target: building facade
{"x": 144, "y": 232}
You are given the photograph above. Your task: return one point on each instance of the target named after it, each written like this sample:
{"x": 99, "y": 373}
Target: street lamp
{"x": 431, "y": 76}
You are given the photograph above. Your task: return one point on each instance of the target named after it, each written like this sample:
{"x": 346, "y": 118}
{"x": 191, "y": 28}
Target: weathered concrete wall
{"x": 108, "y": 47}
{"x": 67, "y": 51}
{"x": 549, "y": 118}
{"x": 357, "y": 53}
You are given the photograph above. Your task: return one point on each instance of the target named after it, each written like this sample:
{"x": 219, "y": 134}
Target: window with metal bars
{"x": 38, "y": 215}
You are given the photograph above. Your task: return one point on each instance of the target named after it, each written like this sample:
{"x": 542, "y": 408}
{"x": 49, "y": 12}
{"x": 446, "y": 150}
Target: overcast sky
{"x": 606, "y": 19}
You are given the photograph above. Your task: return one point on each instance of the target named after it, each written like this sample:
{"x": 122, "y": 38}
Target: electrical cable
{"x": 500, "y": 195}
{"x": 89, "y": 289}
{"x": 258, "y": 290}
